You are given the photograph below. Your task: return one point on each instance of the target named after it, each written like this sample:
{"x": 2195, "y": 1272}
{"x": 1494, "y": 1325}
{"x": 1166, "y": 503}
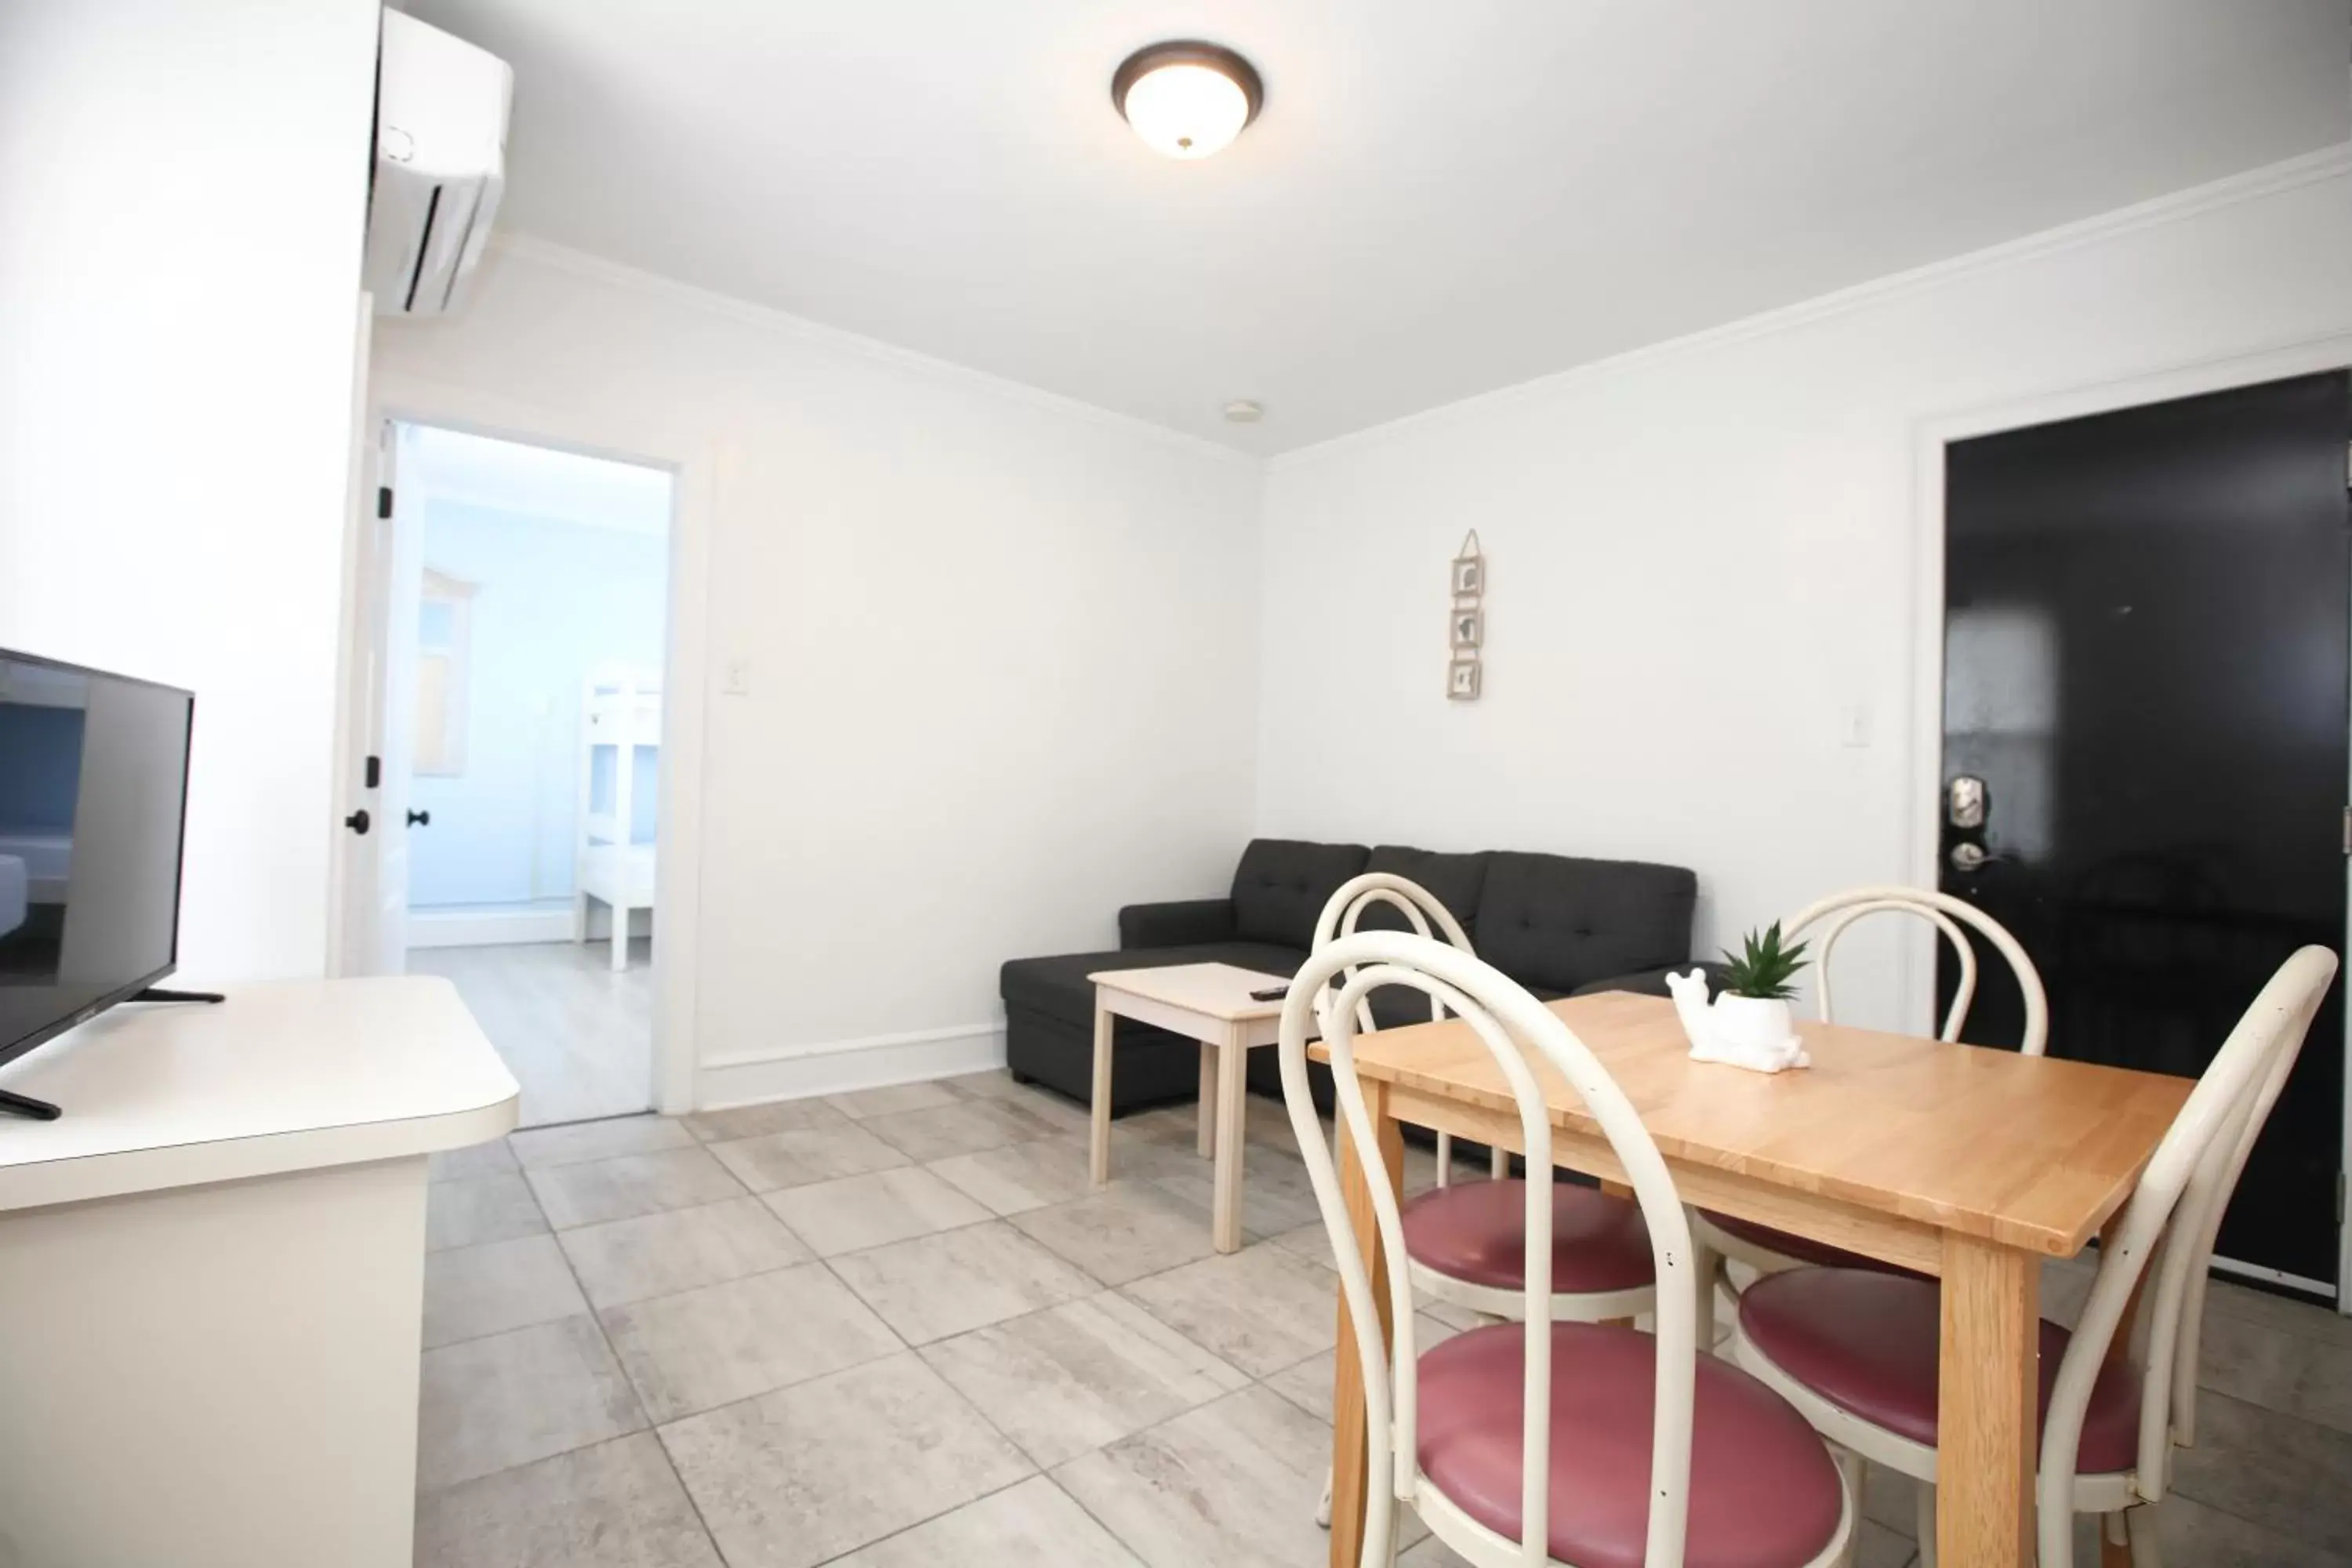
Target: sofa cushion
{"x": 1282, "y": 884}
{"x": 1454, "y": 880}
{"x": 1553, "y": 920}
{"x": 1058, "y": 987}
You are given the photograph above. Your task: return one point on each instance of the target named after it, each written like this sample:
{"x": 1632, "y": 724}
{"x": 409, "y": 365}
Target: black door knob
{"x": 357, "y": 822}
{"x": 420, "y": 819}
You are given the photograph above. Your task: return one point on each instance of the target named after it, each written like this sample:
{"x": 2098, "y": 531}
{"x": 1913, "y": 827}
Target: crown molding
{"x": 2333, "y": 162}
{"x": 836, "y": 339}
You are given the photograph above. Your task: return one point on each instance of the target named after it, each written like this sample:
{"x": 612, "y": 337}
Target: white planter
{"x": 1752, "y": 1023}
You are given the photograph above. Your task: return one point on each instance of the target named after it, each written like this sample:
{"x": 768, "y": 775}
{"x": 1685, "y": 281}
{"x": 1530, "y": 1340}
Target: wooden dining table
{"x": 1967, "y": 1164}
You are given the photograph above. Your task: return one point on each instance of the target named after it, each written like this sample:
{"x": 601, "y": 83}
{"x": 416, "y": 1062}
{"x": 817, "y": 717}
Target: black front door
{"x": 2148, "y": 644}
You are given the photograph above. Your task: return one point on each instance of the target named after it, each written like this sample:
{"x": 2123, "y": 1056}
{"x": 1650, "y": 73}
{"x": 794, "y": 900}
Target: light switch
{"x": 738, "y": 681}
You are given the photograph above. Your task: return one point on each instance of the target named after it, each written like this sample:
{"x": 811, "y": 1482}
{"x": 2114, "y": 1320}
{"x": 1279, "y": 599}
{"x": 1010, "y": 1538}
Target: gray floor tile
{"x": 963, "y": 1126}
{"x": 2287, "y": 1473}
{"x": 2255, "y": 1362}
{"x": 615, "y": 1505}
{"x": 625, "y": 1261}
{"x": 2282, "y": 1313}
{"x": 727, "y": 1341}
{"x": 509, "y": 1399}
{"x": 630, "y": 1185}
{"x": 994, "y": 1084}
{"x": 2195, "y": 1536}
{"x": 758, "y": 1120}
{"x": 891, "y": 1099}
{"x": 873, "y": 1210}
{"x": 1233, "y": 1483}
{"x": 1262, "y": 1308}
{"x": 797, "y": 1156}
{"x": 1312, "y": 1242}
{"x": 1308, "y": 1384}
{"x": 1125, "y": 1231}
{"x": 1021, "y": 1176}
{"x": 577, "y": 1142}
{"x": 476, "y": 1160}
{"x": 469, "y": 1210}
{"x": 1032, "y": 1525}
{"x": 806, "y": 1473}
{"x": 470, "y": 1291}
{"x": 935, "y": 1286}
{"x": 1276, "y": 1195}
{"x": 1079, "y": 1375}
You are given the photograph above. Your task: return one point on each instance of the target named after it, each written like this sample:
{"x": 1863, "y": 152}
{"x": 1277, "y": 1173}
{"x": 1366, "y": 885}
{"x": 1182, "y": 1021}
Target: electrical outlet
{"x": 738, "y": 682}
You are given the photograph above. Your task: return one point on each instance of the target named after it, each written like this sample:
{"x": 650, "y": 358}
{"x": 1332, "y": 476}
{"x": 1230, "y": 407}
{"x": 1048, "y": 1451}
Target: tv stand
{"x": 158, "y": 994}
{"x": 25, "y": 1105}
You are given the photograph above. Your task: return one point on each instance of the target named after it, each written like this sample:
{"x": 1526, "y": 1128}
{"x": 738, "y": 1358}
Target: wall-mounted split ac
{"x": 440, "y": 165}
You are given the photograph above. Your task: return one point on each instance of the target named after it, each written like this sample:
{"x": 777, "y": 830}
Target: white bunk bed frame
{"x": 621, "y": 714}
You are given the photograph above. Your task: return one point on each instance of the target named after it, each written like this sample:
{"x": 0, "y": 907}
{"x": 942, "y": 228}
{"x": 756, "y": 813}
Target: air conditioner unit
{"x": 440, "y": 164}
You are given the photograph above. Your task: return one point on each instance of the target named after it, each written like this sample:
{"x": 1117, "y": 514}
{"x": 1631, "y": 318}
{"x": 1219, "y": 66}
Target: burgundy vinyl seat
{"x": 1867, "y": 1342}
{"x": 1804, "y": 1249}
{"x": 1476, "y": 1231}
{"x": 1764, "y": 1492}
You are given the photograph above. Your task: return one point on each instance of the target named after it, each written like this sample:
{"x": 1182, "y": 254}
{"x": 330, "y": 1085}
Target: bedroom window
{"x": 445, "y": 628}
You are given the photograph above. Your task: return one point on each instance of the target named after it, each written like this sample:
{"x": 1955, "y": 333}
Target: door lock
{"x": 1968, "y": 856}
{"x": 1964, "y": 800}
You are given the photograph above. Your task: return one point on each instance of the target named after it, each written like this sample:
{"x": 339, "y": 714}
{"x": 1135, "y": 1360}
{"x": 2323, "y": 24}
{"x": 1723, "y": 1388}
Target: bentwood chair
{"x": 1769, "y": 1251}
{"x": 1420, "y": 908}
{"x": 1467, "y": 1245}
{"x": 1855, "y": 1349}
{"x": 1528, "y": 1444}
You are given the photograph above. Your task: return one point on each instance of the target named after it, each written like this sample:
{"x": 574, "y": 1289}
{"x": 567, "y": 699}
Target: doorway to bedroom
{"x": 525, "y": 593}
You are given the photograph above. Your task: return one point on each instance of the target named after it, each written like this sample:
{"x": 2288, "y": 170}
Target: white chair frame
{"x": 1948, "y": 915}
{"x": 1513, "y": 1026}
{"x": 2173, "y": 1216}
{"x": 1421, "y": 909}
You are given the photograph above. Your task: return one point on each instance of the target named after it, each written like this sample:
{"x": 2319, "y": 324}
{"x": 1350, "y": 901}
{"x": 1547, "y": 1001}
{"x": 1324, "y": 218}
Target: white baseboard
{"x": 796, "y": 1072}
{"x": 495, "y": 926}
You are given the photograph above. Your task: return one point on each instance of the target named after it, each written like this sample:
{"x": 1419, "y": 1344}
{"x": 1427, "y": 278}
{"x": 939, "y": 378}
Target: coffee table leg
{"x": 1209, "y": 1054}
{"x": 1098, "y": 1130}
{"x": 1225, "y": 1229}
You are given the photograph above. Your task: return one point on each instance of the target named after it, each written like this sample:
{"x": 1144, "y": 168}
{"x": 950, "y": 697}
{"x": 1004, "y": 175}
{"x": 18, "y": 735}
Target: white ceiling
{"x": 538, "y": 482}
{"x": 1442, "y": 196}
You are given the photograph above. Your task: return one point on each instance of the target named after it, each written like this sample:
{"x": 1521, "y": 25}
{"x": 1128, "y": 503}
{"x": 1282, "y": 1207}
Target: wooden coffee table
{"x": 1205, "y": 1001}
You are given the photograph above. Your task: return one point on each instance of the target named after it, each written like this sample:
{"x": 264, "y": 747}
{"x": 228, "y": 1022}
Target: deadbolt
{"x": 1965, "y": 802}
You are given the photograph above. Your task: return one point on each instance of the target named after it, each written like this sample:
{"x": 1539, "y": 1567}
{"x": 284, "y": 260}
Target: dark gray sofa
{"x": 1557, "y": 925}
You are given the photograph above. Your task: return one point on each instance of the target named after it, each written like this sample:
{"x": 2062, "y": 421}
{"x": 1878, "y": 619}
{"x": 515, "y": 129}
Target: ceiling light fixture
{"x": 1187, "y": 99}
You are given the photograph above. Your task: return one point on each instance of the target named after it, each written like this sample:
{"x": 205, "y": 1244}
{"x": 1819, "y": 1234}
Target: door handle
{"x": 358, "y": 822}
{"x": 420, "y": 819}
{"x": 1967, "y": 856}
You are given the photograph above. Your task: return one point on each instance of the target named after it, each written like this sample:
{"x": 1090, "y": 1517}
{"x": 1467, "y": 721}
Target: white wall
{"x": 1000, "y": 647}
{"x": 1702, "y": 555}
{"x": 182, "y": 196}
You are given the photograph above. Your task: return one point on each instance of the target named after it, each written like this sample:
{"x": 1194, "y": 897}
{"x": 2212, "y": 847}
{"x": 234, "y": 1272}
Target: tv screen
{"x": 93, "y": 789}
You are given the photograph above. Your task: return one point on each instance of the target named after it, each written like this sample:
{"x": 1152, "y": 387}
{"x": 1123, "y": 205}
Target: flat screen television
{"x": 93, "y": 801}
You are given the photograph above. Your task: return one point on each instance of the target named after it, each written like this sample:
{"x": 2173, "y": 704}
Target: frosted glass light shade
{"x": 1187, "y": 100}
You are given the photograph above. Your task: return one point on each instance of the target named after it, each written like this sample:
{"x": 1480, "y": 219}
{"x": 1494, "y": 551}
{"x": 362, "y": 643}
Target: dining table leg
{"x": 1098, "y": 1118}
{"x": 1348, "y": 1445}
{"x": 1207, "y": 1142}
{"x": 1987, "y": 1399}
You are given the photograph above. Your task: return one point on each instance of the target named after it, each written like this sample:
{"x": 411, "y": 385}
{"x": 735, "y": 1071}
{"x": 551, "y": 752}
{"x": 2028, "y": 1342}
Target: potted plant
{"x": 1752, "y": 1012}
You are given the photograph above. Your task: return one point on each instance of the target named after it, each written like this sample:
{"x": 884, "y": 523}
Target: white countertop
{"x": 295, "y": 1074}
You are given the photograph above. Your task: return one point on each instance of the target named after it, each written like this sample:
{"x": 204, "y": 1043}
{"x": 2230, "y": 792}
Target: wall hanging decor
{"x": 1467, "y": 629}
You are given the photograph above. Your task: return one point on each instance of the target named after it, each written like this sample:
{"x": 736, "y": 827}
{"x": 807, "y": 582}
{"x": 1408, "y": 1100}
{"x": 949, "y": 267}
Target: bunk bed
{"x": 620, "y": 716}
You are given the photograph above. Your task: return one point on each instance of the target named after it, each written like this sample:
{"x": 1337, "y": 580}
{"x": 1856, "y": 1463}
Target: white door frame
{"x": 1917, "y": 975}
{"x": 694, "y": 462}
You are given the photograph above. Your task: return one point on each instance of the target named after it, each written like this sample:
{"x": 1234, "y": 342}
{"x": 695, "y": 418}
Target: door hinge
{"x": 2348, "y": 830}
{"x": 375, "y": 772}
{"x": 383, "y": 501}
{"x": 2339, "y": 1200}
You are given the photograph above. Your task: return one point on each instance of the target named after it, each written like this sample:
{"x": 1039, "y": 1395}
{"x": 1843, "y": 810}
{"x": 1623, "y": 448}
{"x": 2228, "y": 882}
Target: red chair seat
{"x": 1764, "y": 1493}
{"x": 1802, "y": 1249}
{"x": 1867, "y": 1342}
{"x": 1476, "y": 1232}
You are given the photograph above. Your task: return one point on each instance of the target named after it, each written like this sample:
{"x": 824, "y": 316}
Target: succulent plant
{"x": 1766, "y": 969}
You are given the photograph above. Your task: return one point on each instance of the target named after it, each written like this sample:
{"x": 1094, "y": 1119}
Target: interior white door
{"x": 400, "y": 555}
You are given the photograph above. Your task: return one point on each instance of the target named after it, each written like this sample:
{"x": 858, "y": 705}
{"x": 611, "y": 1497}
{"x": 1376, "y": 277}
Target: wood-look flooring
{"x": 577, "y": 1036}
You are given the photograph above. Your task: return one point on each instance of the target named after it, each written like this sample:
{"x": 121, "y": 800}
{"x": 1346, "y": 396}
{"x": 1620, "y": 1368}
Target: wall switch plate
{"x": 1853, "y": 725}
{"x": 737, "y": 682}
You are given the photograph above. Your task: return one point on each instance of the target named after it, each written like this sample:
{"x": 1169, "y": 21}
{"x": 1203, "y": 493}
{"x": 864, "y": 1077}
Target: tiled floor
{"x": 896, "y": 1329}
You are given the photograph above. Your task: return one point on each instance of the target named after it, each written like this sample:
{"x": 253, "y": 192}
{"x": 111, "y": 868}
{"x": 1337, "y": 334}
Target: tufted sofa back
{"x": 1282, "y": 884}
{"x": 1555, "y": 922}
